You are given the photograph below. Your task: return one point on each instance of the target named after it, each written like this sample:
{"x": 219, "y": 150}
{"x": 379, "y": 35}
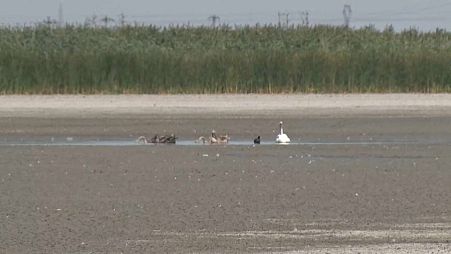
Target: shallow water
{"x": 72, "y": 141}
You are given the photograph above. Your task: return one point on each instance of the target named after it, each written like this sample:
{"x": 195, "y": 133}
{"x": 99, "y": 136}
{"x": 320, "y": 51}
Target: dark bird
{"x": 257, "y": 140}
{"x": 166, "y": 139}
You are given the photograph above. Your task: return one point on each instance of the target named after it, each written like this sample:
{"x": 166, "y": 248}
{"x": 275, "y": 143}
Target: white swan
{"x": 282, "y": 138}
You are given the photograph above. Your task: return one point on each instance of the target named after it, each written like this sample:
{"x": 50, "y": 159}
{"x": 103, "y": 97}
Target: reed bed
{"x": 257, "y": 59}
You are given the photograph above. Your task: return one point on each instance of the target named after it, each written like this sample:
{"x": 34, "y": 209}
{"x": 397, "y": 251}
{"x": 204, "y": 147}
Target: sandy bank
{"x": 236, "y": 104}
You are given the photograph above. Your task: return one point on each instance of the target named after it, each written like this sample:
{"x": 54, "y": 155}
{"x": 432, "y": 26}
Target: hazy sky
{"x": 424, "y": 14}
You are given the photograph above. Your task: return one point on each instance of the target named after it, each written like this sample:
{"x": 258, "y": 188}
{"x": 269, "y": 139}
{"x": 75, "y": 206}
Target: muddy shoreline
{"x": 228, "y": 199}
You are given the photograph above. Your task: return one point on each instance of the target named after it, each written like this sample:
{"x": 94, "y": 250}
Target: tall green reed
{"x": 258, "y": 59}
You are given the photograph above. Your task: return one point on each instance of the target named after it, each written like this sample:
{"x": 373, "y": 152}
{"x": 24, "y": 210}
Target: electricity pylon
{"x": 283, "y": 18}
{"x": 60, "y": 14}
{"x": 347, "y": 14}
{"x": 305, "y": 18}
{"x": 215, "y": 19}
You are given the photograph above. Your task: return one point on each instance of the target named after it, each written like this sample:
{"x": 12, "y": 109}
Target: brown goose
{"x": 214, "y": 139}
{"x": 166, "y": 139}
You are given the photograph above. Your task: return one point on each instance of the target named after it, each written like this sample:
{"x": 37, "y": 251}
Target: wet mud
{"x": 387, "y": 190}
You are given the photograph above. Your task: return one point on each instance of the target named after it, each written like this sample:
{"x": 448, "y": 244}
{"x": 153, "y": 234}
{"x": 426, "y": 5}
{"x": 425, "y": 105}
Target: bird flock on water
{"x": 281, "y": 138}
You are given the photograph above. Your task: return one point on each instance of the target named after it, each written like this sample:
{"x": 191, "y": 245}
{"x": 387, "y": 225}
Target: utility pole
{"x": 283, "y": 18}
{"x": 347, "y": 14}
{"x": 60, "y": 14}
{"x": 305, "y": 18}
{"x": 214, "y": 20}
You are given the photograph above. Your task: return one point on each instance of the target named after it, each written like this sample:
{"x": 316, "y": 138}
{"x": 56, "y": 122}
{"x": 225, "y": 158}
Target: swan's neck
{"x": 281, "y": 130}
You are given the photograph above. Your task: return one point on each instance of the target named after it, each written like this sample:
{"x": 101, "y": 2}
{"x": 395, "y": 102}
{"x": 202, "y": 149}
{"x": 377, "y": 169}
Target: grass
{"x": 259, "y": 59}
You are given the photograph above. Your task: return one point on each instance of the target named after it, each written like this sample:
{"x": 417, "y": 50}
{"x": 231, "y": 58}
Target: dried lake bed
{"x": 368, "y": 180}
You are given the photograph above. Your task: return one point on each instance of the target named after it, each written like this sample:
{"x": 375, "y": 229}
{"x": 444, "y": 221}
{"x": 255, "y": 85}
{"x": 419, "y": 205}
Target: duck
{"x": 257, "y": 140}
{"x": 201, "y": 139}
{"x": 282, "y": 138}
{"x": 166, "y": 139}
{"x": 214, "y": 139}
{"x": 155, "y": 139}
{"x": 223, "y": 139}
{"x": 142, "y": 140}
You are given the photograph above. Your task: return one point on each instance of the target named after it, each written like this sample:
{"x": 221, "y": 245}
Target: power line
{"x": 409, "y": 11}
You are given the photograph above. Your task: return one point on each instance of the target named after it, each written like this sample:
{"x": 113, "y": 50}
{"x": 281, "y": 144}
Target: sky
{"x": 422, "y": 14}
